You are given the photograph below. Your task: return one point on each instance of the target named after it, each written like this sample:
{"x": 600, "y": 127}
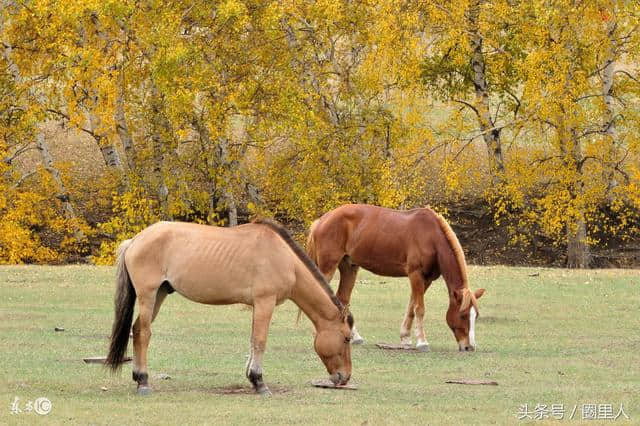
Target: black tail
{"x": 124, "y": 303}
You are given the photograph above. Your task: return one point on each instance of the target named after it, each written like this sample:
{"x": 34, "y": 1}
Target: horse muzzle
{"x": 465, "y": 347}
{"x": 339, "y": 379}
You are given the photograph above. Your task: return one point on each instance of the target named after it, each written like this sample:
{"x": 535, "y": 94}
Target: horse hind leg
{"x": 262, "y": 311}
{"x": 348, "y": 273}
{"x": 148, "y": 305}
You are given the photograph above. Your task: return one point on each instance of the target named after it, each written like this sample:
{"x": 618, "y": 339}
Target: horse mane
{"x": 311, "y": 266}
{"x": 455, "y": 246}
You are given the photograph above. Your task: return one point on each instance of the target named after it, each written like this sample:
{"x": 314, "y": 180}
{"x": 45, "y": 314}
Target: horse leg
{"x": 160, "y": 296}
{"x": 418, "y": 287}
{"x": 405, "y": 328}
{"x": 262, "y": 311}
{"x": 328, "y": 268}
{"x": 348, "y": 272}
{"x": 141, "y": 337}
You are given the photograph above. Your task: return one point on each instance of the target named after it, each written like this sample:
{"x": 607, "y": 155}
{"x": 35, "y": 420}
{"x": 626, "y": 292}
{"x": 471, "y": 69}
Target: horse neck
{"x": 450, "y": 269}
{"x": 313, "y": 299}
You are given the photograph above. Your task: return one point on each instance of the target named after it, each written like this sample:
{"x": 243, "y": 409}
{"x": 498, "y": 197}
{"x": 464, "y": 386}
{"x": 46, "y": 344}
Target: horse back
{"x": 212, "y": 265}
{"x": 384, "y": 241}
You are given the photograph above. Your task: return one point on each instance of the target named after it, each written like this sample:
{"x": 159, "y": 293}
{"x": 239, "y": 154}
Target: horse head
{"x": 333, "y": 347}
{"x": 462, "y": 315}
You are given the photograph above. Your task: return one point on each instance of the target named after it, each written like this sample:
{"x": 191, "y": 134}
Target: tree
{"x": 473, "y": 61}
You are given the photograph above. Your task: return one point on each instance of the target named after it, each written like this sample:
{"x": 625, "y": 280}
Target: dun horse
{"x": 256, "y": 264}
{"x": 418, "y": 244}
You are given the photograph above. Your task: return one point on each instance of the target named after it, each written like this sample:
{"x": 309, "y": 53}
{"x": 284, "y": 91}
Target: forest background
{"x": 518, "y": 120}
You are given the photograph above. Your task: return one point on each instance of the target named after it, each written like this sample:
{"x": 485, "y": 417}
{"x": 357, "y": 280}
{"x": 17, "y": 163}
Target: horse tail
{"x": 311, "y": 243}
{"x": 125, "y": 300}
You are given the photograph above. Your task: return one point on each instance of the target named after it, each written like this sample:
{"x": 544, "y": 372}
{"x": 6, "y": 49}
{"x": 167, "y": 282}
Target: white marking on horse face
{"x": 472, "y": 326}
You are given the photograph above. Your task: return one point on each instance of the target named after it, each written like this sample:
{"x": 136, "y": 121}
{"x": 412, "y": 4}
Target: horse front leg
{"x": 262, "y": 311}
{"x": 348, "y": 273}
{"x": 418, "y": 288}
{"x": 405, "y": 328}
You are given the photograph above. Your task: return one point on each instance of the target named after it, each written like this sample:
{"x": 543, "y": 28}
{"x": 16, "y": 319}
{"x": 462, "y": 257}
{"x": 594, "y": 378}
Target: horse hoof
{"x": 144, "y": 391}
{"x": 264, "y": 391}
{"x": 424, "y": 347}
{"x": 357, "y": 341}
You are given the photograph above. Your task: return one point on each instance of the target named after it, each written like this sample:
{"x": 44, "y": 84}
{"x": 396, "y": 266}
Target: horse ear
{"x": 479, "y": 292}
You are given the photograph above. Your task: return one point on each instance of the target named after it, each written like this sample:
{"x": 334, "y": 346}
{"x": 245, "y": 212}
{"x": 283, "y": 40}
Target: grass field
{"x": 562, "y": 337}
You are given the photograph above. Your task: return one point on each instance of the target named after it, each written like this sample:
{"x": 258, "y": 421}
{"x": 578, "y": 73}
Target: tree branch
{"x": 628, "y": 75}
{"x": 467, "y": 104}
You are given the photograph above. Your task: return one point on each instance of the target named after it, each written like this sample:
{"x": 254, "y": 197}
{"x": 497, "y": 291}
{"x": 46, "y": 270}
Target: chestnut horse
{"x": 256, "y": 264}
{"x": 418, "y": 244}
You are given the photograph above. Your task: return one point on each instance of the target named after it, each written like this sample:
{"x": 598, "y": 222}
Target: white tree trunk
{"x": 109, "y": 153}
{"x": 221, "y": 162}
{"x": 161, "y": 126}
{"x": 232, "y": 209}
{"x": 62, "y": 194}
{"x": 490, "y": 133}
{"x": 609, "y": 122}
{"x": 121, "y": 123}
{"x": 47, "y": 160}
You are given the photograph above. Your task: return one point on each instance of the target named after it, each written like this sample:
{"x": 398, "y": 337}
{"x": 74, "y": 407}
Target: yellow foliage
{"x": 293, "y": 108}
{"x": 132, "y": 212}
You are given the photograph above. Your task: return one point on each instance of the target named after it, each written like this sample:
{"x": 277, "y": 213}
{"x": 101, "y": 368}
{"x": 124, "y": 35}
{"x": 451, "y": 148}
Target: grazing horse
{"x": 418, "y": 244}
{"x": 256, "y": 264}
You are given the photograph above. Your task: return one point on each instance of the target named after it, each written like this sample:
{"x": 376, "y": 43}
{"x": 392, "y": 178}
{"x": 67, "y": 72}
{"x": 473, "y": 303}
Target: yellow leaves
{"x": 18, "y": 244}
{"x": 319, "y": 104}
{"x": 132, "y": 212}
{"x": 232, "y": 10}
{"x": 23, "y": 213}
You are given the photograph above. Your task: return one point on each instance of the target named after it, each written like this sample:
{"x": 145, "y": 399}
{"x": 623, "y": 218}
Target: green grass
{"x": 570, "y": 337}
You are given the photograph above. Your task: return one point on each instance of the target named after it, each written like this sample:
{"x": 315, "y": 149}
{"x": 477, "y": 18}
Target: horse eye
{"x": 347, "y": 339}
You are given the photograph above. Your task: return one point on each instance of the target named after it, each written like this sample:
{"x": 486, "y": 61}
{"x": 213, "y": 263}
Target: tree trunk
{"x": 161, "y": 126}
{"x": 232, "y": 210}
{"x": 578, "y": 252}
{"x": 109, "y": 153}
{"x": 609, "y": 122}
{"x": 62, "y": 194}
{"x": 47, "y": 160}
{"x": 306, "y": 75}
{"x": 121, "y": 123}
{"x": 162, "y": 191}
{"x": 490, "y": 133}
{"x": 220, "y": 162}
